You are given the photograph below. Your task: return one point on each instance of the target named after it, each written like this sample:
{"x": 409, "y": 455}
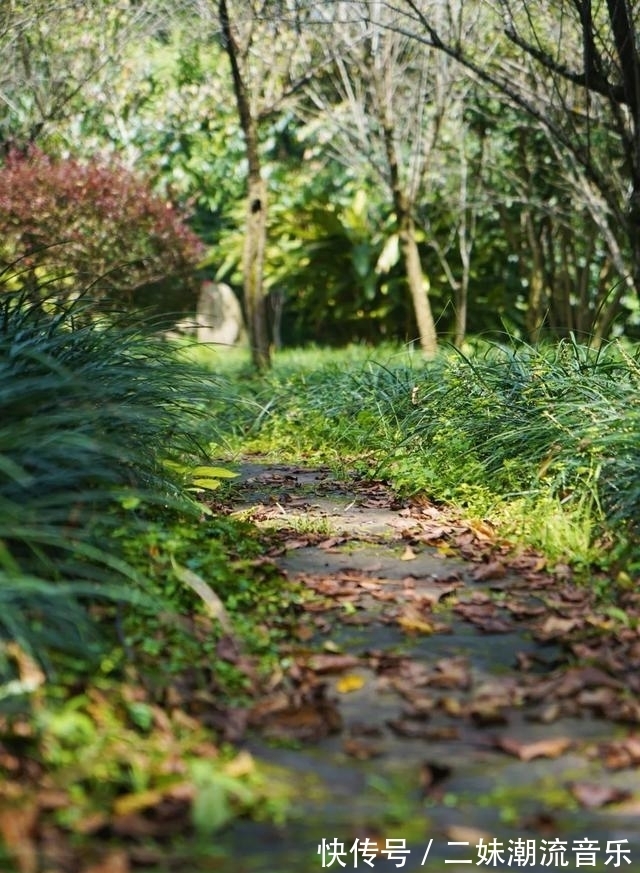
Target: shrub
{"x": 66, "y": 224}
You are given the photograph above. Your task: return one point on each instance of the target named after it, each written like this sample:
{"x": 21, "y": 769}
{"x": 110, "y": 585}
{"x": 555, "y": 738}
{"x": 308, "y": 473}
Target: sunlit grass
{"x": 88, "y": 416}
{"x": 546, "y": 441}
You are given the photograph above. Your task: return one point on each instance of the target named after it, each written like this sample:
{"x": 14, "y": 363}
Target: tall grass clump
{"x": 544, "y": 440}
{"x": 549, "y": 433}
{"x": 89, "y": 415}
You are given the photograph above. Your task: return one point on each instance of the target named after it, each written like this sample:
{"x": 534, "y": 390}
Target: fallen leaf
{"x": 593, "y": 795}
{"x": 331, "y": 543}
{"x": 350, "y": 682}
{"x": 555, "y": 627}
{"x": 297, "y": 543}
{"x": 619, "y": 754}
{"x": 551, "y": 748}
{"x": 408, "y": 554}
{"x": 492, "y": 570}
{"x": 362, "y": 749}
{"x": 411, "y": 622}
{"x": 333, "y": 663}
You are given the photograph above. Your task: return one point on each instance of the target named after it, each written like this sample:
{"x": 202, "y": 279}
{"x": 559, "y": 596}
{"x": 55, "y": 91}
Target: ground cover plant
{"x": 113, "y": 572}
{"x": 544, "y": 440}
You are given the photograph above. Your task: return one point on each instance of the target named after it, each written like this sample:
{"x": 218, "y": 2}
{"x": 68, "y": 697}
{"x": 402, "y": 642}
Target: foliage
{"x": 544, "y": 440}
{"x": 67, "y": 223}
{"x": 88, "y": 416}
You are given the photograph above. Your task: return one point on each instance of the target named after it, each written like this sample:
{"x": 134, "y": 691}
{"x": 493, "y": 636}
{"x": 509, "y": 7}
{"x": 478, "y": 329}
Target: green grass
{"x": 545, "y": 441}
{"x": 89, "y": 416}
{"x": 100, "y": 430}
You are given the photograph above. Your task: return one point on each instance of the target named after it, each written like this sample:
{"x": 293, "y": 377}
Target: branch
{"x": 505, "y": 86}
{"x": 592, "y": 79}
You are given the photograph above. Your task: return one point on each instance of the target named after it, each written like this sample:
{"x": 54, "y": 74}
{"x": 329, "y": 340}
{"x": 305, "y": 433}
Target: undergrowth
{"x": 544, "y": 441}
{"x": 104, "y": 647}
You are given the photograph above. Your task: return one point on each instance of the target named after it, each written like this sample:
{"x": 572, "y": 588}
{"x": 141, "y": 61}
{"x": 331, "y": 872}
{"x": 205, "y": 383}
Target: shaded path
{"x": 432, "y": 697}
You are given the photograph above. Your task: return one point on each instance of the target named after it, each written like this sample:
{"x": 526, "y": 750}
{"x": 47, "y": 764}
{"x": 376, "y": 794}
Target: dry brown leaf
{"x": 331, "y": 543}
{"x": 298, "y": 543}
{"x": 619, "y": 754}
{"x": 362, "y": 749}
{"x": 551, "y": 748}
{"x": 492, "y": 570}
{"x": 554, "y": 627}
{"x": 593, "y": 795}
{"x": 333, "y": 663}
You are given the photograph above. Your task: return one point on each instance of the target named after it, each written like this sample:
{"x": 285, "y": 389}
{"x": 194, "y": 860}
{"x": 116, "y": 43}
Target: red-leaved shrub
{"x": 68, "y": 226}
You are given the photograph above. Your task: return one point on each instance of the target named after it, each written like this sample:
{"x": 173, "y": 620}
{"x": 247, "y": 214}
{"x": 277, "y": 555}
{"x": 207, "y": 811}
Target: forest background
{"x": 421, "y": 168}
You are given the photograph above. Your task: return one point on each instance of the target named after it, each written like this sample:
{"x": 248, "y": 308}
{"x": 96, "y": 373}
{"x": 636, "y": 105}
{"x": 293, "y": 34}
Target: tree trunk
{"x": 460, "y": 327}
{"x": 418, "y": 286}
{"x": 256, "y": 219}
{"x": 537, "y": 300}
{"x": 255, "y": 301}
{"x": 416, "y": 280}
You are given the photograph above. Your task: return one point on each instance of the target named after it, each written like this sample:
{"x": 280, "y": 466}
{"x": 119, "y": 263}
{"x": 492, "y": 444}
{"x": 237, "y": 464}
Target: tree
{"x": 270, "y": 62}
{"x": 386, "y": 104}
{"x": 590, "y": 112}
{"x": 51, "y": 52}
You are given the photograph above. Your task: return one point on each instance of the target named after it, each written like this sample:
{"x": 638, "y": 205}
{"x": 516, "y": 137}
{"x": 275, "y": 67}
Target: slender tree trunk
{"x": 256, "y": 219}
{"x": 255, "y": 300}
{"x": 462, "y": 299}
{"x": 418, "y": 286}
{"x": 416, "y": 280}
{"x": 536, "y": 303}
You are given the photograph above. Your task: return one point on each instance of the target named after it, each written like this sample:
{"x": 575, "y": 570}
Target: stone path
{"x": 446, "y": 722}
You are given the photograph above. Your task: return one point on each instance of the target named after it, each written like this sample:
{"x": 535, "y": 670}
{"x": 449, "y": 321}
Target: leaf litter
{"x": 579, "y": 664}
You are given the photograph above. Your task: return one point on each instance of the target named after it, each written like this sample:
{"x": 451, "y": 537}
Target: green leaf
{"x": 213, "y": 472}
{"x": 210, "y": 484}
{"x": 389, "y": 255}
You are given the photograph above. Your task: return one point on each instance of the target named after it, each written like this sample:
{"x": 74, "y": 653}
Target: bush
{"x": 65, "y": 224}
